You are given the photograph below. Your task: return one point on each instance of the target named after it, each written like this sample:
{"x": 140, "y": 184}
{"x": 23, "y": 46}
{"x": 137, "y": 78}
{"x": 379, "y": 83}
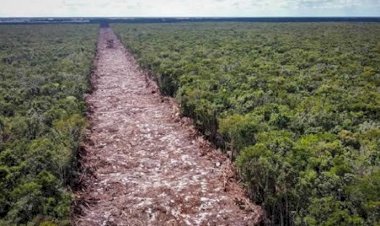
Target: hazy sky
{"x": 135, "y": 8}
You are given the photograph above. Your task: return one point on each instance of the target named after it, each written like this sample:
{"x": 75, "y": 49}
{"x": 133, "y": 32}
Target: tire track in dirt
{"x": 149, "y": 166}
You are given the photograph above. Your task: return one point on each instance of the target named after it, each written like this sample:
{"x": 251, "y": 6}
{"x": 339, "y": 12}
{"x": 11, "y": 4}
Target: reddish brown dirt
{"x": 149, "y": 166}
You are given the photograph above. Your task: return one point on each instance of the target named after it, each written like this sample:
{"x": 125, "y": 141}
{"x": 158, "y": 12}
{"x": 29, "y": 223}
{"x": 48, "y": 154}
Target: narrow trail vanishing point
{"x": 149, "y": 166}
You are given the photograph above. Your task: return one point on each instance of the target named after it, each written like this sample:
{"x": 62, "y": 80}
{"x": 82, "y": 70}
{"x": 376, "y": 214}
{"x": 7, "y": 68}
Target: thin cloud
{"x": 135, "y": 8}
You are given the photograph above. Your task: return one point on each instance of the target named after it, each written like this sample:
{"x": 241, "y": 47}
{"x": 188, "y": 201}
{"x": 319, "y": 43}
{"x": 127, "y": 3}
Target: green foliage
{"x": 239, "y": 131}
{"x": 298, "y": 105}
{"x": 44, "y": 73}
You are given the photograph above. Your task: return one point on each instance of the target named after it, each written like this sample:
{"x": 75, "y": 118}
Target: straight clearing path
{"x": 148, "y": 166}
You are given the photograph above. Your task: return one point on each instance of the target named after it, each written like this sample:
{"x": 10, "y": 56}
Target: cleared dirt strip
{"x": 149, "y": 166}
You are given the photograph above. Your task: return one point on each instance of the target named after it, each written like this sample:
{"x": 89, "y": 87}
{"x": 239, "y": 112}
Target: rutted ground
{"x": 149, "y": 166}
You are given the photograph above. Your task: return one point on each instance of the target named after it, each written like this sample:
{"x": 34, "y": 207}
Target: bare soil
{"x": 145, "y": 164}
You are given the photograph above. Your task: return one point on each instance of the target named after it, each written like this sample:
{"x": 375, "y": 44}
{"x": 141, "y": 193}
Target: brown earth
{"x": 146, "y": 165}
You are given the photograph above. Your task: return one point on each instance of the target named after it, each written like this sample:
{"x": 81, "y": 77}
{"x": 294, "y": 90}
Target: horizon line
{"x": 185, "y": 17}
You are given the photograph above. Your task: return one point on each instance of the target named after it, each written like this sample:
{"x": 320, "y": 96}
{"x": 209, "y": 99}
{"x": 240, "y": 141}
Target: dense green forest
{"x": 296, "y": 105}
{"x": 44, "y": 73}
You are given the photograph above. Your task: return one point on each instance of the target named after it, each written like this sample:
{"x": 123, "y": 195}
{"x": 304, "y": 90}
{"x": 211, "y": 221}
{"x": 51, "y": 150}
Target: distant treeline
{"x": 183, "y": 19}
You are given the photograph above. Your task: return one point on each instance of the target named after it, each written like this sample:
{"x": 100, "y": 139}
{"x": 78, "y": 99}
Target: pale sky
{"x": 187, "y": 8}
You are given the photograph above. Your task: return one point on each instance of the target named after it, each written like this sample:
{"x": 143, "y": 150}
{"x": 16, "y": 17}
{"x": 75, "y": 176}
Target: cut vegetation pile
{"x": 148, "y": 166}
